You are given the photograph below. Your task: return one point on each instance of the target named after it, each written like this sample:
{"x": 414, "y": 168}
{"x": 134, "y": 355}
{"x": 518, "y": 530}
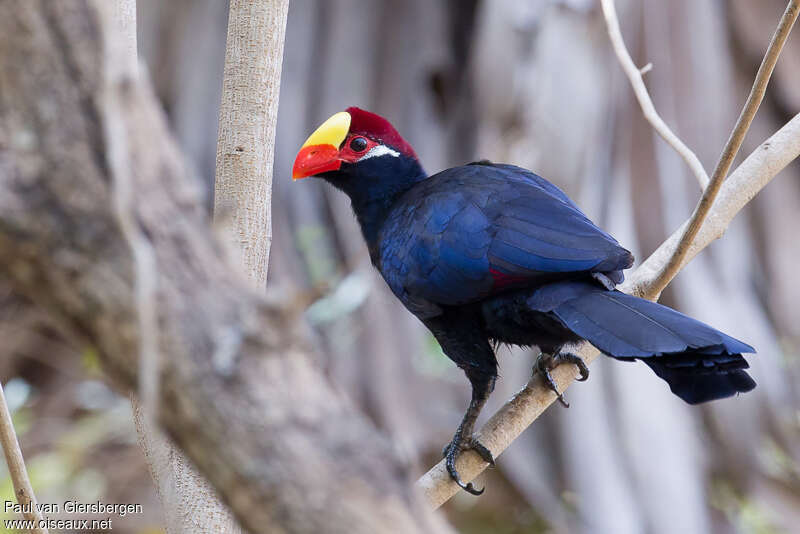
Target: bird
{"x": 486, "y": 254}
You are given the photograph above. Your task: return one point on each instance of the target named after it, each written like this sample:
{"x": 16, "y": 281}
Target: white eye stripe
{"x": 380, "y": 150}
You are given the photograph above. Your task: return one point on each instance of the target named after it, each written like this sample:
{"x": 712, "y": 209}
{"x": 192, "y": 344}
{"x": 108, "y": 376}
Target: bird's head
{"x": 362, "y": 154}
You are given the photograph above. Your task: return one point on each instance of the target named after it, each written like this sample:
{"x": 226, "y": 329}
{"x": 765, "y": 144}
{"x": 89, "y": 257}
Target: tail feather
{"x": 700, "y": 380}
{"x": 698, "y": 362}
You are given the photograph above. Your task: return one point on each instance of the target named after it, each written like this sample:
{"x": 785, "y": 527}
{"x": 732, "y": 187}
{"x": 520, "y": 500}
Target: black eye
{"x": 358, "y": 144}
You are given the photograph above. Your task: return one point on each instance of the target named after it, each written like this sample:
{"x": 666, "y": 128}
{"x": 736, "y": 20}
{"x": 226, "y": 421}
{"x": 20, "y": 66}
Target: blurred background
{"x": 527, "y": 82}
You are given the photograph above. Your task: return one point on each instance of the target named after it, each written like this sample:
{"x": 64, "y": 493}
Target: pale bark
{"x": 285, "y": 450}
{"x": 124, "y": 18}
{"x": 189, "y": 502}
{"x": 247, "y": 118}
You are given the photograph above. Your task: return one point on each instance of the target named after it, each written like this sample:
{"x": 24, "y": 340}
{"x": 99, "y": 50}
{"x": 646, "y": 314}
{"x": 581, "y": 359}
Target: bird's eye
{"x": 358, "y": 144}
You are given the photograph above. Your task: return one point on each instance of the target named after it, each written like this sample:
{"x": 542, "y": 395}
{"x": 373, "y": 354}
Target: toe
{"x": 483, "y": 451}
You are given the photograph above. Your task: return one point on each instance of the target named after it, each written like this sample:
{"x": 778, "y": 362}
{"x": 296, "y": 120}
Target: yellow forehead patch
{"x": 331, "y": 132}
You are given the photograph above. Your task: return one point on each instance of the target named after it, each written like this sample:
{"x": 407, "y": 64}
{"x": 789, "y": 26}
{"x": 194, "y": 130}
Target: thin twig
{"x": 671, "y": 268}
{"x": 16, "y": 467}
{"x": 637, "y": 83}
{"x": 755, "y": 172}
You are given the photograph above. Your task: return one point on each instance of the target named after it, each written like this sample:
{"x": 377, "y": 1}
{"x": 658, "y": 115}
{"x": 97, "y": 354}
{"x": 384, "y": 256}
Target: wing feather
{"x": 470, "y": 231}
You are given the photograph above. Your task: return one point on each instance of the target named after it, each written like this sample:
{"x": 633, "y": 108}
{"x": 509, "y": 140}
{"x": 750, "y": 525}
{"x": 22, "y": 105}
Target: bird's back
{"x": 476, "y": 230}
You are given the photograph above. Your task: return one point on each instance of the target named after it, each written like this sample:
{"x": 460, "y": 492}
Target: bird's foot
{"x": 546, "y": 363}
{"x": 454, "y": 448}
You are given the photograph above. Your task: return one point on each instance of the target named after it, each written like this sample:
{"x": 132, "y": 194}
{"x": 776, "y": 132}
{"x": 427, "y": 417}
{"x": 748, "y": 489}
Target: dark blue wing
{"x": 470, "y": 231}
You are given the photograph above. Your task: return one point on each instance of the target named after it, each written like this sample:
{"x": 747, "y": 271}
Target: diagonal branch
{"x": 701, "y": 211}
{"x": 522, "y": 410}
{"x": 657, "y": 271}
{"x": 634, "y": 74}
{"x": 16, "y": 466}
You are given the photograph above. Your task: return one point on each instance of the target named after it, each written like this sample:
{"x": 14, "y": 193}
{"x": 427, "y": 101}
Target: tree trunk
{"x": 284, "y": 449}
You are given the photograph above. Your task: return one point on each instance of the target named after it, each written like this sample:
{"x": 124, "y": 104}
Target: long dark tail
{"x": 699, "y": 363}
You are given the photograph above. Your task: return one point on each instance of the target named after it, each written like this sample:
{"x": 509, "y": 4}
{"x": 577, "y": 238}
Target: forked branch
{"x": 701, "y": 211}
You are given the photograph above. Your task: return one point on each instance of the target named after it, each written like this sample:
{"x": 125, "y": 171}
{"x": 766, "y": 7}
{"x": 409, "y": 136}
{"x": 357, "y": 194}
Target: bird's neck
{"x": 376, "y": 197}
{"x": 371, "y": 216}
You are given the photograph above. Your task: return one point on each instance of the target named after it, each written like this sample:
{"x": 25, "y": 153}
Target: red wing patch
{"x": 504, "y": 280}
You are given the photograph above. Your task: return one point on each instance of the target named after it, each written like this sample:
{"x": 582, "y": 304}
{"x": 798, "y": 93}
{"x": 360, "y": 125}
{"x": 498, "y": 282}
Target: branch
{"x": 658, "y": 270}
{"x": 247, "y": 118}
{"x": 755, "y": 172}
{"x": 637, "y": 83}
{"x": 674, "y": 264}
{"x": 16, "y": 466}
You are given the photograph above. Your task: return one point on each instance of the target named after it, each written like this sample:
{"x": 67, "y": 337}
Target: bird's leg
{"x": 546, "y": 362}
{"x": 462, "y": 336}
{"x": 482, "y": 386}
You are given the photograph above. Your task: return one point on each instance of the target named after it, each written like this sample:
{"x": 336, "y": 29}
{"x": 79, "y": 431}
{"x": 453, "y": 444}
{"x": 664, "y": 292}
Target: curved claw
{"x": 578, "y": 362}
{"x": 451, "y": 469}
{"x": 543, "y": 368}
{"x": 451, "y": 452}
{"x": 545, "y": 363}
{"x": 471, "y": 489}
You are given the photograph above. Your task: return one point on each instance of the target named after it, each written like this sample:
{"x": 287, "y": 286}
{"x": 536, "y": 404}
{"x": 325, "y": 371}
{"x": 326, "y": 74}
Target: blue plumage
{"x": 503, "y": 240}
{"x": 482, "y": 235}
{"x": 476, "y": 229}
{"x": 699, "y": 362}
{"x": 489, "y": 253}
